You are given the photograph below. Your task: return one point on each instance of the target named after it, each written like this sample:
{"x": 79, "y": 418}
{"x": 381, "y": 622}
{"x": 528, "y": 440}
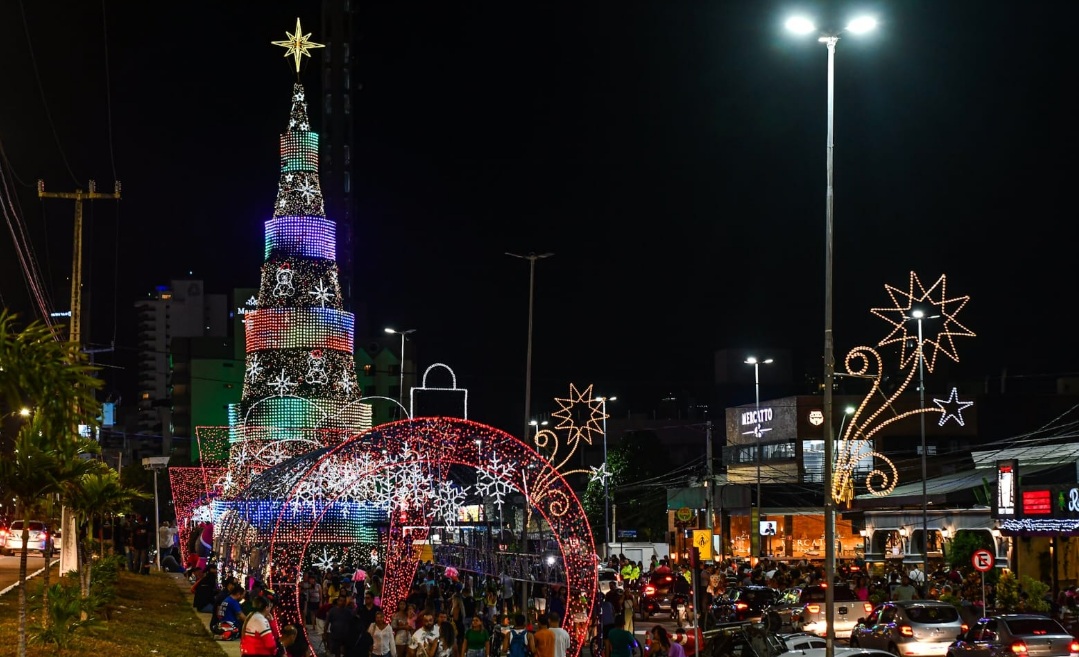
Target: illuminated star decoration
{"x": 952, "y": 408}
{"x": 298, "y": 44}
{"x": 600, "y": 474}
{"x": 593, "y": 426}
{"x": 282, "y": 385}
{"x": 936, "y": 302}
{"x": 307, "y": 190}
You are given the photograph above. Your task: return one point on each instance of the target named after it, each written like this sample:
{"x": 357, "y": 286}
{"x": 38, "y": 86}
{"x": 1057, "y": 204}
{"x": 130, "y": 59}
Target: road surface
{"x": 9, "y": 568}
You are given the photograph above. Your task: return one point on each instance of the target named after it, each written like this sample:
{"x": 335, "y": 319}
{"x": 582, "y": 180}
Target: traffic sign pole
{"x": 983, "y": 561}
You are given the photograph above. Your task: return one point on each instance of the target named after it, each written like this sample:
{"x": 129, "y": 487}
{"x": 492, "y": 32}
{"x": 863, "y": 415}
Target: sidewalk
{"x": 232, "y": 648}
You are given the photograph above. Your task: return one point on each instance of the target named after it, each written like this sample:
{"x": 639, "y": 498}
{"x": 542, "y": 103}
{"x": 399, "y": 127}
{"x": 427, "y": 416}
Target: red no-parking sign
{"x": 983, "y": 560}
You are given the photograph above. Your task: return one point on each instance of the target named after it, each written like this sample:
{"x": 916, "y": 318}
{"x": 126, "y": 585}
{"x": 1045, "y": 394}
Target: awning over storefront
{"x": 938, "y": 488}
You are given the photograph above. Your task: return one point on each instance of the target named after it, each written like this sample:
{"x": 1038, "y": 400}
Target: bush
{"x": 65, "y": 614}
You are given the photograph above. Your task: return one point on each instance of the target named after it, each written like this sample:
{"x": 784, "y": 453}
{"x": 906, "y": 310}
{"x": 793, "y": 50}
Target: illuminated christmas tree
{"x": 300, "y": 371}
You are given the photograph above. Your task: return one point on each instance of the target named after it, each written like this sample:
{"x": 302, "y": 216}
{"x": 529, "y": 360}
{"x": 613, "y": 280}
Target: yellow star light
{"x": 298, "y": 44}
{"x": 935, "y": 301}
{"x": 592, "y": 426}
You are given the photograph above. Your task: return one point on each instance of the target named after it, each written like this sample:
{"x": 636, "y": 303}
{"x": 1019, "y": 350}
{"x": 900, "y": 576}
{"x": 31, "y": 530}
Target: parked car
{"x": 921, "y": 628}
{"x": 1011, "y": 635}
{"x": 38, "y": 540}
{"x": 609, "y": 577}
{"x": 741, "y": 603}
{"x": 802, "y": 610}
{"x": 798, "y": 641}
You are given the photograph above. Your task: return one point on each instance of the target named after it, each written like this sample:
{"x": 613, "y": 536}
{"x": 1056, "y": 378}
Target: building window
{"x": 347, "y": 104}
{"x": 348, "y": 182}
{"x": 930, "y": 450}
{"x": 348, "y": 78}
{"x": 348, "y": 156}
{"x": 368, "y": 369}
{"x": 328, "y": 105}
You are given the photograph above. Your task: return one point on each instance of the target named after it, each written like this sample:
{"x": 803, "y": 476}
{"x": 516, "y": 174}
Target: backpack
{"x": 518, "y": 643}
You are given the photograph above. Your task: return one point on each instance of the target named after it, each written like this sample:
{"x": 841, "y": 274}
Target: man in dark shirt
{"x": 338, "y": 621}
{"x": 140, "y": 545}
{"x": 365, "y": 615}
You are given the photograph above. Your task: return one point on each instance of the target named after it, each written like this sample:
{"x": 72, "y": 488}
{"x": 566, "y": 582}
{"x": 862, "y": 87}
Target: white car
{"x": 39, "y": 537}
{"x": 609, "y": 577}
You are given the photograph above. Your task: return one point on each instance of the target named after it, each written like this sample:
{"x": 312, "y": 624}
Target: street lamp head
{"x": 849, "y": 410}
{"x": 800, "y": 25}
{"x": 767, "y": 361}
{"x": 917, "y": 314}
{"x": 390, "y": 331}
{"x": 24, "y": 411}
{"x": 752, "y": 360}
{"x": 862, "y": 24}
{"x": 533, "y": 422}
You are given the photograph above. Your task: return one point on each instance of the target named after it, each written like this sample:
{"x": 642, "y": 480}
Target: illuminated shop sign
{"x": 1007, "y": 483}
{"x": 1037, "y": 502}
{"x": 761, "y": 416}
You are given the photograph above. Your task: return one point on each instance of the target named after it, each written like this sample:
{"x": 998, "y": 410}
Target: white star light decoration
{"x": 345, "y": 383}
{"x": 298, "y": 44}
{"x": 952, "y": 408}
{"x": 322, "y": 293}
{"x": 446, "y": 500}
{"x": 935, "y": 301}
{"x": 600, "y": 474}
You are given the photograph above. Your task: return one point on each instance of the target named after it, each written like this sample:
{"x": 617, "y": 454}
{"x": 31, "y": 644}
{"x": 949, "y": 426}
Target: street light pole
{"x": 531, "y": 258}
{"x": 607, "y": 538}
{"x": 804, "y": 26}
{"x": 401, "y": 369}
{"x": 156, "y": 463}
{"x": 760, "y": 448}
{"x": 918, "y": 316}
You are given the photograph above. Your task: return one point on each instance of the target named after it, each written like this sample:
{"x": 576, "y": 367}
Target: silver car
{"x": 915, "y": 628}
{"x": 1015, "y": 635}
{"x": 38, "y": 540}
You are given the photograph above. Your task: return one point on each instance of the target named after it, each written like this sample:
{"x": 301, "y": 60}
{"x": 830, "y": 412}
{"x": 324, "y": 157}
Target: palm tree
{"x": 96, "y": 495}
{"x": 52, "y": 378}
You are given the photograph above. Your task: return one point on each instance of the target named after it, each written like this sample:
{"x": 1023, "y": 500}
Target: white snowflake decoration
{"x": 322, "y": 293}
{"x": 325, "y": 561}
{"x": 446, "y": 500}
{"x": 307, "y": 190}
{"x": 254, "y": 368}
{"x": 493, "y": 480}
{"x": 282, "y": 385}
{"x": 346, "y": 382}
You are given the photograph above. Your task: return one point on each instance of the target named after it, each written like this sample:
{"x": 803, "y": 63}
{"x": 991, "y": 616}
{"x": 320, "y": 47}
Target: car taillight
{"x": 964, "y": 628}
{"x": 868, "y": 606}
{"x": 1073, "y": 646}
{"x": 649, "y": 590}
{"x": 813, "y": 609}
{"x": 741, "y": 606}
{"x": 1019, "y": 648}
{"x": 667, "y": 578}
{"x": 906, "y": 630}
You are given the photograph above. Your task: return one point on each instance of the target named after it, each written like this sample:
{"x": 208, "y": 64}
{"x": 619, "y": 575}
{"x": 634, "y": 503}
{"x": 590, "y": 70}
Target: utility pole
{"x": 69, "y": 554}
{"x": 709, "y": 487}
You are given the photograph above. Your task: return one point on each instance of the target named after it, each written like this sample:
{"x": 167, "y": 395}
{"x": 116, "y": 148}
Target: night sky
{"x": 671, "y": 155}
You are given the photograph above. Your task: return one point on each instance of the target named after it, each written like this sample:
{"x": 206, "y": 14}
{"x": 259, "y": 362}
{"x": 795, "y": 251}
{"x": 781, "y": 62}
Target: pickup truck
{"x": 802, "y": 609}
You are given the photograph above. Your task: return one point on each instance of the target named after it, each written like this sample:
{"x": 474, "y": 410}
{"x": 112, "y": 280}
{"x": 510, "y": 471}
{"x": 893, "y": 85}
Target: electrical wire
{"x": 41, "y": 91}
{"x": 108, "y": 88}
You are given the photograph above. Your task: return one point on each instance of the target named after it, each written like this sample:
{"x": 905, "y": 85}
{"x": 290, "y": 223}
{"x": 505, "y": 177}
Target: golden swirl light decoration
{"x": 856, "y": 443}
{"x": 537, "y": 486}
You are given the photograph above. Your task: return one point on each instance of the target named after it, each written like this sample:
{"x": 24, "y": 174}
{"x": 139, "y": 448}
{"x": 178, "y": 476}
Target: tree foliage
{"x": 636, "y": 464}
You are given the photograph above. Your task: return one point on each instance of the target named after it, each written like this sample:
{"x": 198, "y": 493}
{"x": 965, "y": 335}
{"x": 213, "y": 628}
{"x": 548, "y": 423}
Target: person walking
{"x": 518, "y": 642}
{"x": 383, "y": 643}
{"x": 477, "y": 639}
{"x": 561, "y": 636}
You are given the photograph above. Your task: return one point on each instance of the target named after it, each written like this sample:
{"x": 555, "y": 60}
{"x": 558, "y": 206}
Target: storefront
{"x": 1044, "y": 520}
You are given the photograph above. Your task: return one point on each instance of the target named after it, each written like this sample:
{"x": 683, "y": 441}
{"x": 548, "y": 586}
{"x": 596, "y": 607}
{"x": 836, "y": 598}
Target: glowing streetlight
{"x": 802, "y": 25}
{"x": 401, "y": 384}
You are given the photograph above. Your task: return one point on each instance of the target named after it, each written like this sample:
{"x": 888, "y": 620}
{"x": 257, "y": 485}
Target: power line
{"x": 41, "y": 91}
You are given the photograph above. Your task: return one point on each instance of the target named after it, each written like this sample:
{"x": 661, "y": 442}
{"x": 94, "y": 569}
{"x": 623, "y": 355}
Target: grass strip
{"x": 150, "y": 616}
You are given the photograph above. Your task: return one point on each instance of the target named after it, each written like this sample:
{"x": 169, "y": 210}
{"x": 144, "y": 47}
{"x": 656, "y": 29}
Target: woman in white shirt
{"x": 382, "y": 634}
